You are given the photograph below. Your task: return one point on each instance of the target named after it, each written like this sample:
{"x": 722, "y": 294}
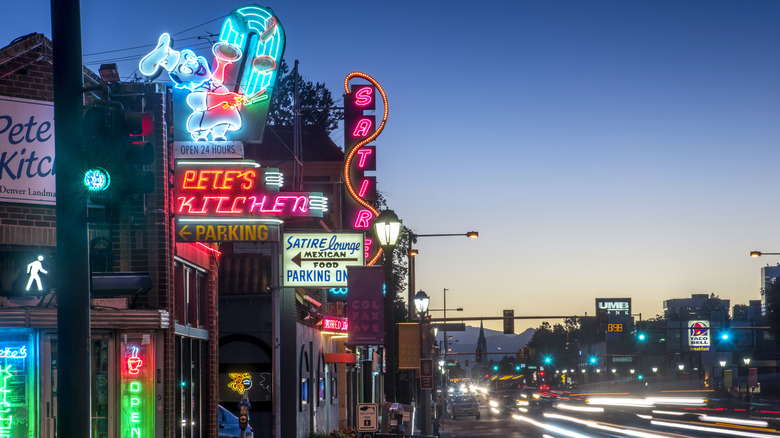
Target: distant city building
{"x": 698, "y": 306}
{"x": 768, "y": 276}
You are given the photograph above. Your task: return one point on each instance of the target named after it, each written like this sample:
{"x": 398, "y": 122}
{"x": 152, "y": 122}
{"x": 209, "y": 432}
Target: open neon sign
{"x": 228, "y": 191}
{"x": 137, "y": 387}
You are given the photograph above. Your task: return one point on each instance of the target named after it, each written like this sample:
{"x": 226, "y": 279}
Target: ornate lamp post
{"x": 388, "y": 227}
{"x": 421, "y": 302}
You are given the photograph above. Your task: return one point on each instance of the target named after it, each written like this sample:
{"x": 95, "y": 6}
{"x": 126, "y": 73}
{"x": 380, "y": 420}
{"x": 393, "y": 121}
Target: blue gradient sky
{"x": 622, "y": 148}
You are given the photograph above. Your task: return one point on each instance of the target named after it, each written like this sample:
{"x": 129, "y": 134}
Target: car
{"x": 504, "y": 403}
{"x": 464, "y": 405}
{"x": 228, "y": 425}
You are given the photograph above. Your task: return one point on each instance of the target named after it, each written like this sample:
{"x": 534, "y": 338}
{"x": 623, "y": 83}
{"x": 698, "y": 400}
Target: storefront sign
{"x": 320, "y": 259}
{"x": 426, "y": 373}
{"x": 27, "y": 172}
{"x": 335, "y": 324}
{"x": 230, "y": 100}
{"x": 240, "y": 382}
{"x": 360, "y": 129}
{"x": 236, "y": 189}
{"x": 365, "y": 305}
{"x": 137, "y": 386}
{"x": 18, "y": 377}
{"x": 699, "y": 335}
{"x": 208, "y": 149}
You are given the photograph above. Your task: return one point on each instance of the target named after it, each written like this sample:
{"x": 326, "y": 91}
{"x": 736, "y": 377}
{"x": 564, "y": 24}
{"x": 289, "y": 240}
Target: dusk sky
{"x": 622, "y": 148}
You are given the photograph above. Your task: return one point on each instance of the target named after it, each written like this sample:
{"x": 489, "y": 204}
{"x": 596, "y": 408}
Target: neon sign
{"x": 216, "y": 99}
{"x": 240, "y": 382}
{"x": 224, "y": 190}
{"x": 6, "y": 417}
{"x": 137, "y": 420}
{"x": 335, "y": 324}
{"x": 360, "y": 130}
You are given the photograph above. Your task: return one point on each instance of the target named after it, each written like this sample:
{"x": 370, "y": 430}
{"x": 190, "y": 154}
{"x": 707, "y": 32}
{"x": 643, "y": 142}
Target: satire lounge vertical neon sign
{"x": 137, "y": 388}
{"x": 358, "y": 154}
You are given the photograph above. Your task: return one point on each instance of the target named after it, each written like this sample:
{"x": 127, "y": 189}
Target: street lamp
{"x": 388, "y": 227}
{"x": 421, "y": 301}
{"x": 723, "y": 364}
{"x": 755, "y": 254}
{"x": 413, "y": 252}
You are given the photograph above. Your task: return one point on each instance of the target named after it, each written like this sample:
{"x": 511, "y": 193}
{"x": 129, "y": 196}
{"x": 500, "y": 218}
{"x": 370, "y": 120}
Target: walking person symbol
{"x": 33, "y": 269}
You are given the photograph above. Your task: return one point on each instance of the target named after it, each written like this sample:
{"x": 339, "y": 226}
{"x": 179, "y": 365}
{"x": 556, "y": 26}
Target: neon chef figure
{"x": 214, "y": 107}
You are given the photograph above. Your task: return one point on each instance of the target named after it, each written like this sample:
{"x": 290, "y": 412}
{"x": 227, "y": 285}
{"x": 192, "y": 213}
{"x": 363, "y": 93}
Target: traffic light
{"x": 479, "y": 355}
{"x": 509, "y": 322}
{"x": 601, "y": 320}
{"x": 114, "y": 153}
{"x": 641, "y": 337}
{"x": 547, "y": 359}
{"x": 495, "y": 367}
{"x": 593, "y": 360}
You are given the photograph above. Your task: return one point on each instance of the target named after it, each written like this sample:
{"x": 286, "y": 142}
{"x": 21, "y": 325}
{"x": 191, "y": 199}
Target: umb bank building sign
{"x": 614, "y": 306}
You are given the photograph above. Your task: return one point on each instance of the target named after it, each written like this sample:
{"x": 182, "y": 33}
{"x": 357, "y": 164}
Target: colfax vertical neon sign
{"x": 360, "y": 130}
{"x": 137, "y": 387}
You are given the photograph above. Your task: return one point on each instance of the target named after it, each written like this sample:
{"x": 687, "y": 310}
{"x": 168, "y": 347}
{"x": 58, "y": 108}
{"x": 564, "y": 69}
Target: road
{"x": 671, "y": 418}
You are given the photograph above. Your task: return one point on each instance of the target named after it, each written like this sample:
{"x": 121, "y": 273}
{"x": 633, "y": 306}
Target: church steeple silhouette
{"x": 482, "y": 343}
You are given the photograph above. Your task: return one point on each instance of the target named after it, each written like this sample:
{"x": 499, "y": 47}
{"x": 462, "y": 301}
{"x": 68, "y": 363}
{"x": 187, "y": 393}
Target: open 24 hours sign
{"x": 320, "y": 259}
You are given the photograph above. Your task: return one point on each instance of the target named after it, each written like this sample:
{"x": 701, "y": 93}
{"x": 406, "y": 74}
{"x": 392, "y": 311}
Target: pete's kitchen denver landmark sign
{"x": 236, "y": 201}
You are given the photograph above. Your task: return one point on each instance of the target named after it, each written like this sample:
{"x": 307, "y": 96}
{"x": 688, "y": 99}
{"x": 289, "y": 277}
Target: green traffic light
{"x": 725, "y": 336}
{"x": 547, "y": 359}
{"x": 641, "y": 336}
{"x": 97, "y": 179}
{"x": 592, "y": 360}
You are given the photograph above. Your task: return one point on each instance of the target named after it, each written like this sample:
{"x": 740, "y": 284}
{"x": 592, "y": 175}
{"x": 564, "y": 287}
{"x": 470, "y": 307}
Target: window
{"x": 191, "y": 295}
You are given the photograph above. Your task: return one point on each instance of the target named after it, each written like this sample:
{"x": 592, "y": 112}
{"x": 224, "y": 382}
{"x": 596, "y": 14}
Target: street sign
{"x": 452, "y": 327}
{"x": 199, "y": 230}
{"x": 320, "y": 259}
{"x": 367, "y": 417}
{"x": 426, "y": 373}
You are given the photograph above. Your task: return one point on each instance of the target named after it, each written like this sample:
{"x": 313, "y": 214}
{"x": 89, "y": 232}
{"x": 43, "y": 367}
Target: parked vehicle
{"x": 228, "y": 425}
{"x": 465, "y": 405}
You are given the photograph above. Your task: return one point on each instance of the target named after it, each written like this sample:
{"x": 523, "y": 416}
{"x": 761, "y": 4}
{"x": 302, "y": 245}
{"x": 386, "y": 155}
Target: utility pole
{"x": 73, "y": 327}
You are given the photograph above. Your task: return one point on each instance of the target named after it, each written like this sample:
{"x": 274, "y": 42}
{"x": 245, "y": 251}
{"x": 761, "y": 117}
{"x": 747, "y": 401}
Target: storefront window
{"x": 100, "y": 388}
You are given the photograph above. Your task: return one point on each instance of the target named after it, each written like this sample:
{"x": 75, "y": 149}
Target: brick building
{"x": 153, "y": 314}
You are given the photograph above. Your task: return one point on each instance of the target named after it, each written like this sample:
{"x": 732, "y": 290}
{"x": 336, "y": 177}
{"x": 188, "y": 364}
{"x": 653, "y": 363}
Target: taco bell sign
{"x": 699, "y": 335}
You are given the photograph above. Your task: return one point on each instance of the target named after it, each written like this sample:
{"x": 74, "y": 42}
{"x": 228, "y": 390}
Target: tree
{"x": 315, "y": 99}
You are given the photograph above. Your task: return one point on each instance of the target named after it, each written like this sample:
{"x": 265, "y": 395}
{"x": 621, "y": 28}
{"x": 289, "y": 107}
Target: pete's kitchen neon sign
{"x": 359, "y": 131}
{"x": 233, "y": 190}
{"x": 137, "y": 387}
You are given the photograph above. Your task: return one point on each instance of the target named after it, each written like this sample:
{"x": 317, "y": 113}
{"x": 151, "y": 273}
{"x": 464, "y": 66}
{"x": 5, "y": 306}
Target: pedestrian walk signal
{"x": 26, "y": 273}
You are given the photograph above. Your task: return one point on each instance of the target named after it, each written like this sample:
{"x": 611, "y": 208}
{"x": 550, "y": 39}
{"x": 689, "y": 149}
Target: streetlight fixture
{"x": 723, "y": 363}
{"x": 746, "y": 360}
{"x": 387, "y": 227}
{"x": 655, "y": 369}
{"x": 421, "y": 301}
{"x": 413, "y": 252}
{"x": 680, "y": 367}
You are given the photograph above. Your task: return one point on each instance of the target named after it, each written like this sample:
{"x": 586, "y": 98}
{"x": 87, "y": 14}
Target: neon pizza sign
{"x": 213, "y": 101}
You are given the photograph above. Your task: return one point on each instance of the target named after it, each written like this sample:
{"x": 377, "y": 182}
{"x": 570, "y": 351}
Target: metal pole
{"x": 73, "y": 281}
{"x": 367, "y": 367}
{"x": 446, "y": 347}
{"x": 410, "y": 259}
{"x": 389, "y": 327}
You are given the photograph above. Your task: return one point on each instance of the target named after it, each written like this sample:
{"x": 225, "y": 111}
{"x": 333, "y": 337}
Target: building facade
{"x": 153, "y": 301}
